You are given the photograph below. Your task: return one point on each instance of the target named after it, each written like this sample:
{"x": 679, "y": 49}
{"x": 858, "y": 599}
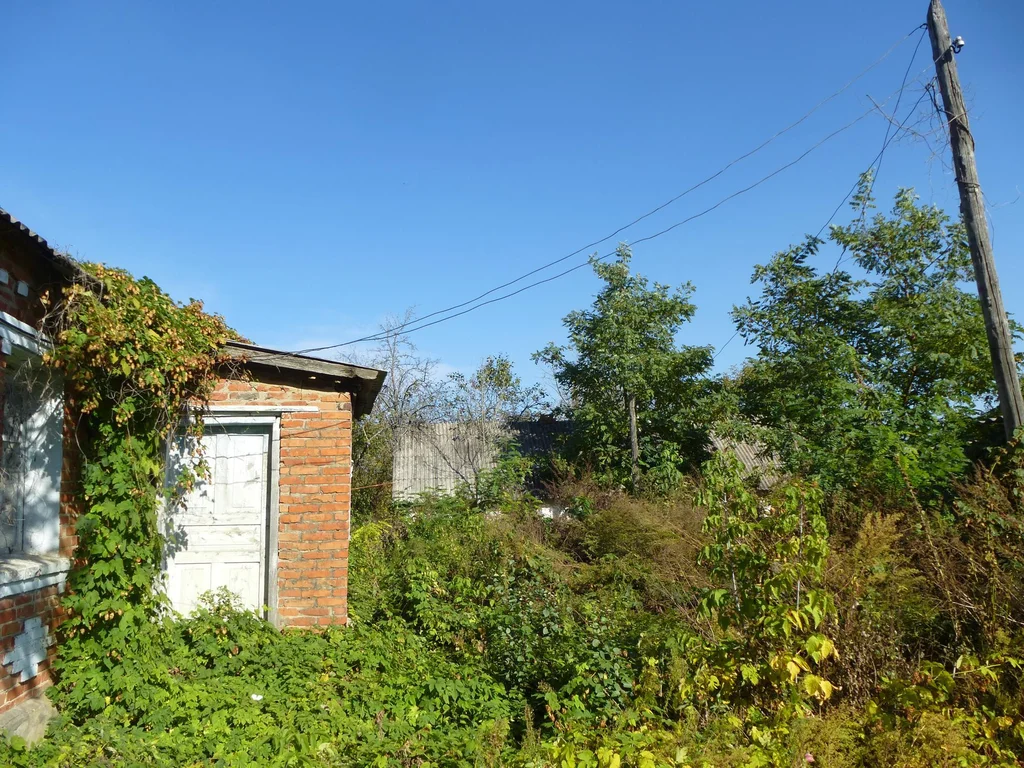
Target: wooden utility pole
{"x": 634, "y": 443}
{"x": 972, "y": 208}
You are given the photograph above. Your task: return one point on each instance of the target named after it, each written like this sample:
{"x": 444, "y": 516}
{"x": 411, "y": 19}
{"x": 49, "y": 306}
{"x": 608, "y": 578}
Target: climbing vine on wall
{"x": 132, "y": 360}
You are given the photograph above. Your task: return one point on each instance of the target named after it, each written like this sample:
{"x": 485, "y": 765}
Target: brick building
{"x": 270, "y": 524}
{"x": 278, "y": 436}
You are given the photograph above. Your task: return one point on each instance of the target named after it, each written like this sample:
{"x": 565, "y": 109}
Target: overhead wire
{"x": 632, "y": 223}
{"x": 418, "y": 324}
{"x": 682, "y": 194}
{"x": 896, "y": 108}
{"x": 876, "y": 165}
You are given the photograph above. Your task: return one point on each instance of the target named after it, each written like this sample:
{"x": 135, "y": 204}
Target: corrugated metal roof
{"x": 755, "y": 459}
{"x": 439, "y": 457}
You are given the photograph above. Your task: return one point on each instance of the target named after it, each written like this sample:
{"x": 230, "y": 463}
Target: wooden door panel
{"x": 220, "y": 532}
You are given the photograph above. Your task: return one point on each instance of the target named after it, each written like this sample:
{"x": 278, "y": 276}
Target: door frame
{"x": 273, "y": 422}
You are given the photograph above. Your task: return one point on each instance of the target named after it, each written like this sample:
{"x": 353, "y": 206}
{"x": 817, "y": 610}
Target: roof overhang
{"x": 61, "y": 263}
{"x": 265, "y": 364}
{"x": 311, "y": 372}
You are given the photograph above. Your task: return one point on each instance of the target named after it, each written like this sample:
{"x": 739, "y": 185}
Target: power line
{"x": 875, "y": 164}
{"x": 417, "y": 325}
{"x": 721, "y": 349}
{"x": 895, "y": 109}
{"x": 681, "y": 195}
{"x": 637, "y": 220}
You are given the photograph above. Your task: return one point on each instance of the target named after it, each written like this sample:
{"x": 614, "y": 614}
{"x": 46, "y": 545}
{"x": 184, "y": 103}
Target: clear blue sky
{"x": 308, "y": 168}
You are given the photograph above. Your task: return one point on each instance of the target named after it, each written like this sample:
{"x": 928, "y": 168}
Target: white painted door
{"x": 218, "y": 537}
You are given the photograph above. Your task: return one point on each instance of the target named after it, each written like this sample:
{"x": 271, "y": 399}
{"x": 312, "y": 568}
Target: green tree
{"x": 494, "y": 394}
{"x": 407, "y": 399}
{"x": 624, "y": 376}
{"x": 481, "y": 410}
{"x": 873, "y": 379}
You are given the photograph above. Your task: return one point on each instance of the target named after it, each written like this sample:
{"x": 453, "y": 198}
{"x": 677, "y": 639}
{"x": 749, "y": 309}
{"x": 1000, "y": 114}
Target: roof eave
{"x": 61, "y": 263}
{"x": 362, "y": 382}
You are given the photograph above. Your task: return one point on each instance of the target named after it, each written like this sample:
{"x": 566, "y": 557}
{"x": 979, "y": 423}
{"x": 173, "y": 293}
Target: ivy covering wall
{"x": 133, "y": 361}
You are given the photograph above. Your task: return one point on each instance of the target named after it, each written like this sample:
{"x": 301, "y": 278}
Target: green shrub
{"x": 626, "y": 637}
{"x": 235, "y": 691}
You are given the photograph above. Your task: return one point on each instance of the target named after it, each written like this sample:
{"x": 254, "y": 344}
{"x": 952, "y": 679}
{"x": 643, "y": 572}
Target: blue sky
{"x": 307, "y": 169}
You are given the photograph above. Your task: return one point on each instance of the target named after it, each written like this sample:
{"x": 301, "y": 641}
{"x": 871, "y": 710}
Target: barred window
{"x": 30, "y": 457}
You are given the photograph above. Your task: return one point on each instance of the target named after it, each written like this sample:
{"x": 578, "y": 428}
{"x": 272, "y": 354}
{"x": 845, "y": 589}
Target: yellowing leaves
{"x": 819, "y": 648}
{"x": 818, "y": 687}
{"x": 132, "y": 358}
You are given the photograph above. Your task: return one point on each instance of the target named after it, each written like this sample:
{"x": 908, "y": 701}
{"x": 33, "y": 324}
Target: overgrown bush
{"x": 868, "y": 614}
{"x": 227, "y": 687}
{"x": 726, "y": 629}
{"x": 133, "y": 362}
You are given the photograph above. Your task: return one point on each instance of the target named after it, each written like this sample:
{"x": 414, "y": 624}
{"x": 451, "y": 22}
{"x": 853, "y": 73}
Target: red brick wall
{"x": 315, "y": 498}
{"x": 22, "y": 265}
{"x": 44, "y": 603}
{"x": 25, "y": 264}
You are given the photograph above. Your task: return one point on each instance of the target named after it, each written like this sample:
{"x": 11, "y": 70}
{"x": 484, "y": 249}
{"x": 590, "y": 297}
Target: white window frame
{"x": 26, "y": 571}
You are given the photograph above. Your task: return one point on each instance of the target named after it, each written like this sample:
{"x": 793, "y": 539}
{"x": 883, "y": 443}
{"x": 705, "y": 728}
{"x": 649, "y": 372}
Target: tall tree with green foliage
{"x": 623, "y": 359}
{"x": 869, "y": 379}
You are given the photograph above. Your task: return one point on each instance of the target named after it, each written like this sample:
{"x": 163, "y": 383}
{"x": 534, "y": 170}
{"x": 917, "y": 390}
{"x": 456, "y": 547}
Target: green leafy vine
{"x": 132, "y": 360}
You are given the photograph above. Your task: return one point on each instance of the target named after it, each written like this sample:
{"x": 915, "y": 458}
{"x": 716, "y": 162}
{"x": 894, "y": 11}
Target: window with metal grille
{"x": 30, "y": 457}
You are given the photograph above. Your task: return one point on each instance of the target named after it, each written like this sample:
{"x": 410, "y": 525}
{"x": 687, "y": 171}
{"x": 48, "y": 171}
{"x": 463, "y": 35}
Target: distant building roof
{"x": 439, "y": 457}
{"x": 756, "y": 460}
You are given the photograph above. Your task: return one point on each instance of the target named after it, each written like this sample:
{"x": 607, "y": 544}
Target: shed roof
{"x": 311, "y": 372}
{"x": 439, "y": 457}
